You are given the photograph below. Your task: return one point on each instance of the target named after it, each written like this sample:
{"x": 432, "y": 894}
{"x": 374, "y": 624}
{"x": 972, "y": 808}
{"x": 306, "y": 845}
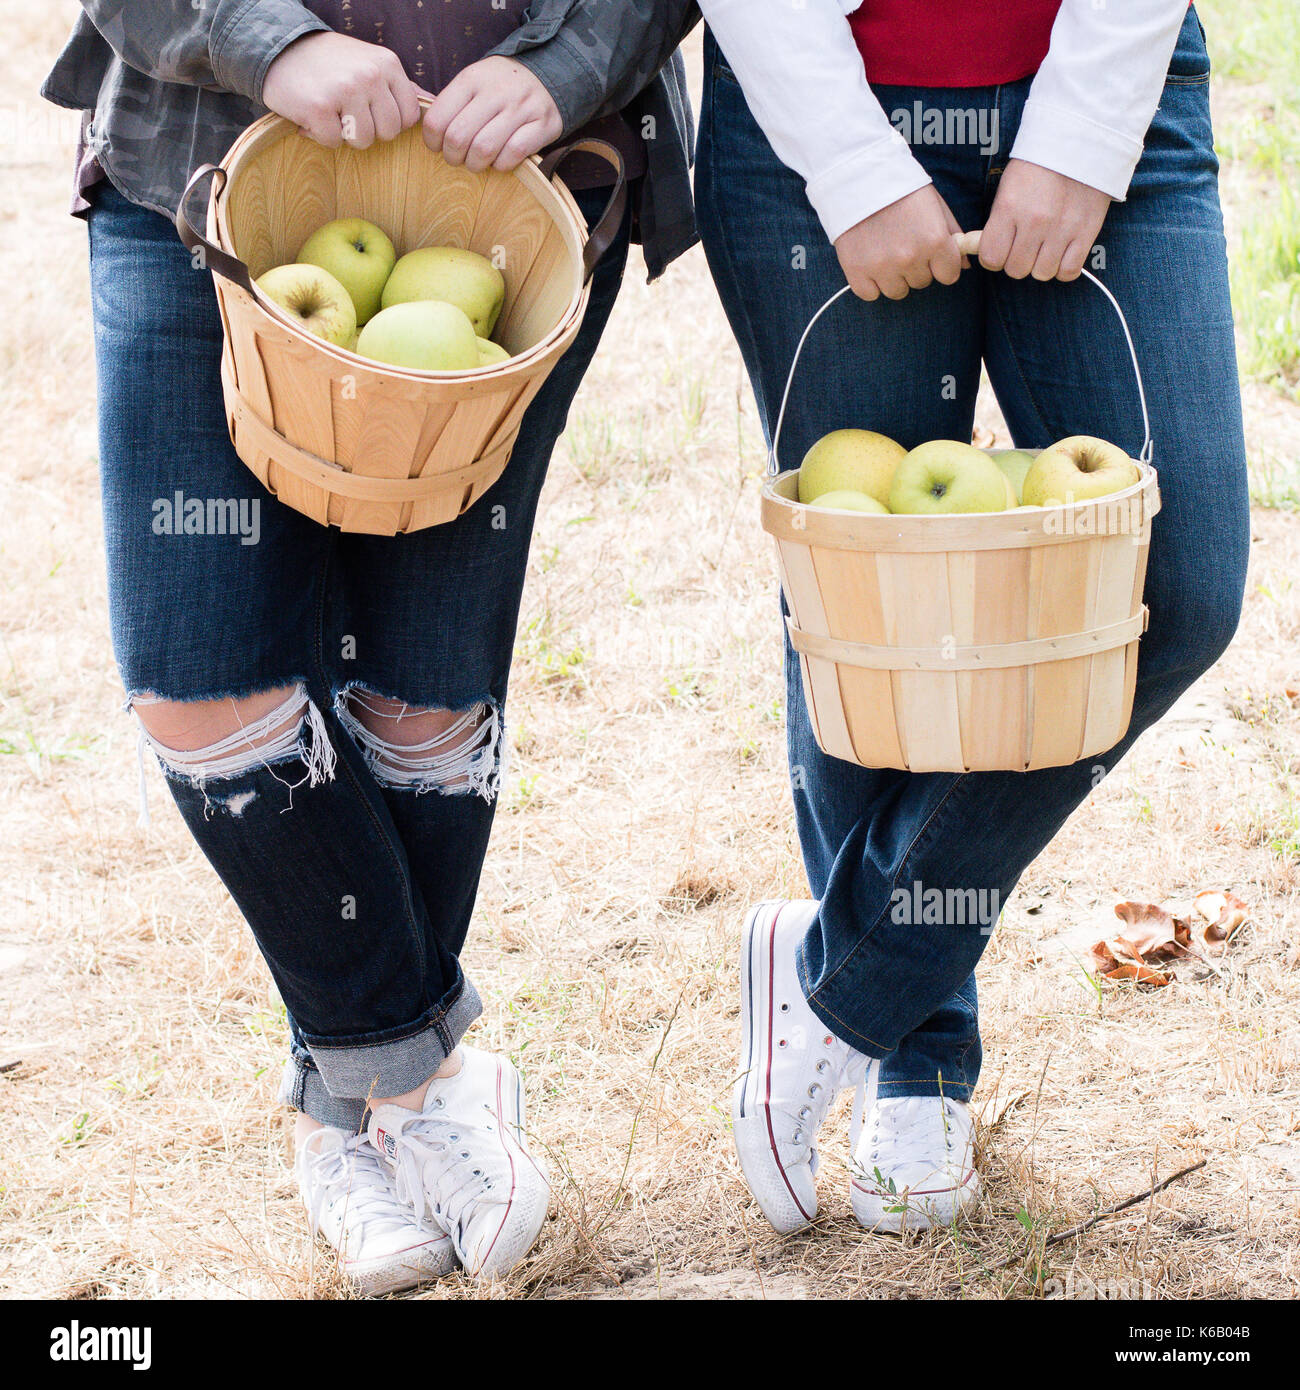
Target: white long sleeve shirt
{"x": 1088, "y": 108}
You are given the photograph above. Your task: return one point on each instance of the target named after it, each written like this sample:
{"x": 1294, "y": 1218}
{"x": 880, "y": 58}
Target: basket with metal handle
{"x": 1000, "y": 641}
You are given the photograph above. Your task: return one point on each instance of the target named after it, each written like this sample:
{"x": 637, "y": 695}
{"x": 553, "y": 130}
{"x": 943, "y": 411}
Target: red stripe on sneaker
{"x": 771, "y": 1010}
{"x": 513, "y": 1184}
{"x": 915, "y": 1192}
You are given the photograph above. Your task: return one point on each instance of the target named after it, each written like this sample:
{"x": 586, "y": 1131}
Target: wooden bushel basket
{"x": 358, "y": 444}
{"x": 991, "y": 642}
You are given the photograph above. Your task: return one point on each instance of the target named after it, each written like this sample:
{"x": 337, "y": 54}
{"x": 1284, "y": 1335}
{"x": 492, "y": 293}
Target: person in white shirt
{"x": 852, "y": 141}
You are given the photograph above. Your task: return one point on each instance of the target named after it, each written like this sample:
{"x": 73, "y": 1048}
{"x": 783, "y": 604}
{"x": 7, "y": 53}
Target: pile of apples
{"x": 862, "y": 471}
{"x": 432, "y": 311}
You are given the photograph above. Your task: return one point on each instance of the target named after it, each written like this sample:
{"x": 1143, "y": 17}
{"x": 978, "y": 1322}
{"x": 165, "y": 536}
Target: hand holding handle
{"x": 968, "y": 244}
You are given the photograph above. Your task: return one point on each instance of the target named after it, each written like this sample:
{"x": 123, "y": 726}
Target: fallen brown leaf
{"x": 1224, "y": 913}
{"x": 1152, "y": 932}
{"x": 1139, "y": 975}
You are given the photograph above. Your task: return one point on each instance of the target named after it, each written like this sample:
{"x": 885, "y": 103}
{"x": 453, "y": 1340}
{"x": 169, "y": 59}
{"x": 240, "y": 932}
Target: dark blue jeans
{"x": 359, "y": 893}
{"x": 904, "y": 991}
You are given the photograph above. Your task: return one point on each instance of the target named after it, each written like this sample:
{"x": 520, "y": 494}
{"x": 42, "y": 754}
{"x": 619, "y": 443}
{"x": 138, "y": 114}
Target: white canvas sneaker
{"x": 462, "y": 1165}
{"x": 791, "y": 1068}
{"x": 351, "y": 1202}
{"x": 913, "y": 1164}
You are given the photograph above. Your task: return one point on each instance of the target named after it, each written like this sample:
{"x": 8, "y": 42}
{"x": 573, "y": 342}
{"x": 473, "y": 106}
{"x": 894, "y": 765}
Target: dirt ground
{"x": 647, "y": 807}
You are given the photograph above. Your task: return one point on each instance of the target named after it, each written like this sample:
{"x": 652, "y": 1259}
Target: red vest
{"x": 952, "y": 43}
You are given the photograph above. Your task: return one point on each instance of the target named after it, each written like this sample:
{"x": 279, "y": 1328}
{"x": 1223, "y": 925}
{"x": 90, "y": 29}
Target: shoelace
{"x": 370, "y": 1202}
{"x": 918, "y": 1129}
{"x": 438, "y": 1142}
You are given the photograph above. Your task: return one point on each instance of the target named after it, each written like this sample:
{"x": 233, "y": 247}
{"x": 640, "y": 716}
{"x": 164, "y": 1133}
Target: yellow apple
{"x": 426, "y": 336}
{"x": 946, "y": 475}
{"x": 463, "y": 278}
{"x": 850, "y": 460}
{"x": 1077, "y": 469}
{"x": 314, "y": 299}
{"x": 850, "y": 500}
{"x": 490, "y": 353}
{"x": 358, "y": 255}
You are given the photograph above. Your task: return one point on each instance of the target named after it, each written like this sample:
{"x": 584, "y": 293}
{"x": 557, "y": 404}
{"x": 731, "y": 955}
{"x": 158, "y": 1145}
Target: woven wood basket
{"x": 999, "y": 642}
{"x": 347, "y": 441}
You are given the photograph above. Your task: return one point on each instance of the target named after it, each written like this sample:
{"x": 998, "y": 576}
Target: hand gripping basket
{"x": 998, "y": 642}
{"x": 358, "y": 444}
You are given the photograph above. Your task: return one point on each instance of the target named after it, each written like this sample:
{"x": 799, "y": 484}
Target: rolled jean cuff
{"x": 391, "y": 1068}
{"x": 302, "y": 1089}
{"x": 926, "y": 1086}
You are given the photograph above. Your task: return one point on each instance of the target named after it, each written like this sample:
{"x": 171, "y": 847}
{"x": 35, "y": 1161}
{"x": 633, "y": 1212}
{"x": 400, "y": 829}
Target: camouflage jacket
{"x": 171, "y": 83}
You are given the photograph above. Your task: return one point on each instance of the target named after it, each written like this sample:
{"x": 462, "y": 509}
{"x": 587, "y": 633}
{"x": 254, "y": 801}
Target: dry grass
{"x": 143, "y": 1154}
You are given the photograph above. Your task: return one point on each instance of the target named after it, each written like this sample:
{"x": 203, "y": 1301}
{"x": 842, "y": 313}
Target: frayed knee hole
{"x": 420, "y": 749}
{"x": 205, "y": 740}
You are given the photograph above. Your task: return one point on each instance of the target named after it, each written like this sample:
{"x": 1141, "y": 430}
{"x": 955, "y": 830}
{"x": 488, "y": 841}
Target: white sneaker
{"x": 913, "y": 1164}
{"x": 350, "y": 1201}
{"x": 462, "y": 1166}
{"x": 791, "y": 1068}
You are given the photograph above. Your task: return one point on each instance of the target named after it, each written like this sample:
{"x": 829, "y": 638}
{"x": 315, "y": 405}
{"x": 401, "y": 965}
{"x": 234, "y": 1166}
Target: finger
{"x": 893, "y": 286}
{"x": 865, "y": 288}
{"x": 954, "y": 230}
{"x": 385, "y": 116}
{"x": 918, "y": 277}
{"x": 1048, "y": 261}
{"x": 447, "y": 105}
{"x": 326, "y": 129}
{"x": 465, "y": 126}
{"x": 946, "y": 265}
{"x": 489, "y": 142}
{"x": 995, "y": 242}
{"x": 1024, "y": 252}
{"x": 1072, "y": 263}
{"x": 358, "y": 128}
{"x": 406, "y": 95}
{"x": 527, "y": 140}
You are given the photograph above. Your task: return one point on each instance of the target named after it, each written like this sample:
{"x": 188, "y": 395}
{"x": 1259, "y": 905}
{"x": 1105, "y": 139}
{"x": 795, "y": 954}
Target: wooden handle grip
{"x": 968, "y": 243}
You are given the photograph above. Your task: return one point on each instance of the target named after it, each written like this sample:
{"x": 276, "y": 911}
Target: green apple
{"x": 358, "y": 255}
{"x": 315, "y": 299}
{"x": 463, "y": 278}
{"x": 848, "y": 500}
{"x": 1015, "y": 463}
{"x": 850, "y": 460}
{"x": 1076, "y": 469}
{"x": 490, "y": 353}
{"x": 948, "y": 476}
{"x": 426, "y": 336}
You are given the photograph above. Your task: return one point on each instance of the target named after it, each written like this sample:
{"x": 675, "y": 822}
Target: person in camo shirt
{"x": 328, "y": 709}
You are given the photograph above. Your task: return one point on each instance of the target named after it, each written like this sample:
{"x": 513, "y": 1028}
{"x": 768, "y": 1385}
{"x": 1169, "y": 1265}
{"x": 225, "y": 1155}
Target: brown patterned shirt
{"x": 435, "y": 39}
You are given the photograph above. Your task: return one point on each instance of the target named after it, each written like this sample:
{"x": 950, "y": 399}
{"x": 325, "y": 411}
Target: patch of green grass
{"x": 1266, "y": 293}
{"x": 1255, "y": 49}
{"x": 1254, "y": 41}
{"x": 553, "y": 657}
{"x": 1274, "y": 483}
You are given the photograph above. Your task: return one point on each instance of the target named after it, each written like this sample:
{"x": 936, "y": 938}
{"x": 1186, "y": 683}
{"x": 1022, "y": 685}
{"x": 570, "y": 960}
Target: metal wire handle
{"x": 968, "y": 243}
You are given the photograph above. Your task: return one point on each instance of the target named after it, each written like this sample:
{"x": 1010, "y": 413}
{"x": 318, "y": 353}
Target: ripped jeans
{"x": 349, "y": 833}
